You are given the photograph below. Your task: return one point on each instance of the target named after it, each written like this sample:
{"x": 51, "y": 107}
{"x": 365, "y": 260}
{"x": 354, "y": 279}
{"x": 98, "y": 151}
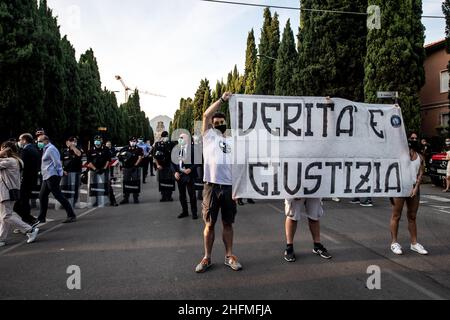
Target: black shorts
{"x": 218, "y": 197}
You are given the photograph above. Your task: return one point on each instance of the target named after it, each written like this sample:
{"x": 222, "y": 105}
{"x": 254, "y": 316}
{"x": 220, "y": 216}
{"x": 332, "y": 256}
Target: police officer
{"x": 131, "y": 158}
{"x": 113, "y": 152}
{"x": 146, "y": 160}
{"x": 98, "y": 159}
{"x": 162, "y": 154}
{"x": 150, "y": 158}
{"x": 72, "y": 163}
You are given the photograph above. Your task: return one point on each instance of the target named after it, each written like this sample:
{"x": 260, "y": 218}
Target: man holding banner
{"x": 217, "y": 194}
{"x": 312, "y": 208}
{"x": 308, "y": 148}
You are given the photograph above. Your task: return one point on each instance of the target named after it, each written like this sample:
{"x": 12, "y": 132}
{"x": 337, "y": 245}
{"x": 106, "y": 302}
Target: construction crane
{"x": 128, "y": 89}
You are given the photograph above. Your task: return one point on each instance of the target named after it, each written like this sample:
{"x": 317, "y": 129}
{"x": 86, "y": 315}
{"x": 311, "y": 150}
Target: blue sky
{"x": 167, "y": 46}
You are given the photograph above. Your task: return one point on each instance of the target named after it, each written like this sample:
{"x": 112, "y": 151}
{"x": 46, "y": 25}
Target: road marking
{"x": 323, "y": 235}
{"x": 436, "y": 198}
{"x": 414, "y": 285}
{"x": 43, "y": 233}
{"x": 49, "y": 230}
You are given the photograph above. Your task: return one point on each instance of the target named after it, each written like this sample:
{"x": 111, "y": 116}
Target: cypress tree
{"x": 21, "y": 67}
{"x": 265, "y": 84}
{"x": 198, "y": 99}
{"x": 90, "y": 86}
{"x": 251, "y": 60}
{"x": 206, "y": 100}
{"x": 55, "y": 121}
{"x": 331, "y": 50}
{"x": 395, "y": 57}
{"x": 71, "y": 89}
{"x": 286, "y": 64}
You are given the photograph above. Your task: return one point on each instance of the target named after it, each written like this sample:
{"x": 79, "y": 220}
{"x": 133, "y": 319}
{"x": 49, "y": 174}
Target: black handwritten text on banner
{"x": 287, "y": 147}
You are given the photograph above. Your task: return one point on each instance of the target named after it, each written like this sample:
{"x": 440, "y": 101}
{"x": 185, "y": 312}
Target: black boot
{"x": 126, "y": 199}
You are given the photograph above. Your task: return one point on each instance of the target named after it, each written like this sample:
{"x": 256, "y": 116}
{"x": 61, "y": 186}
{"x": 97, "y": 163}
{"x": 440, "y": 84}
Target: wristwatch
{"x": 222, "y": 100}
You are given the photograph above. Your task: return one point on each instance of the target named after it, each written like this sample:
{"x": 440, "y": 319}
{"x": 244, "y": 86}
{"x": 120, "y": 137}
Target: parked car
{"x": 438, "y": 169}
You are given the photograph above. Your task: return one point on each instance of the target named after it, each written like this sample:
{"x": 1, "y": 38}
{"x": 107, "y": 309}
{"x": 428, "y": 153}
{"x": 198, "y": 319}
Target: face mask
{"x": 133, "y": 144}
{"x": 97, "y": 143}
{"x": 165, "y": 139}
{"x": 414, "y": 145}
{"x": 222, "y": 128}
{"x": 140, "y": 141}
{"x": 20, "y": 145}
{"x": 181, "y": 142}
{"x": 41, "y": 145}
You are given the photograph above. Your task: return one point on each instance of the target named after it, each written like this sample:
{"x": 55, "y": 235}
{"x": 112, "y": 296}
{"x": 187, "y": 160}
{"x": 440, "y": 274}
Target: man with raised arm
{"x": 217, "y": 194}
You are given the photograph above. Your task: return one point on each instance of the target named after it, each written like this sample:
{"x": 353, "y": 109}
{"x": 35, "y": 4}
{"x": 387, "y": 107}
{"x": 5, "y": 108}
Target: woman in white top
{"x": 412, "y": 204}
{"x": 447, "y": 180}
{"x": 10, "y": 166}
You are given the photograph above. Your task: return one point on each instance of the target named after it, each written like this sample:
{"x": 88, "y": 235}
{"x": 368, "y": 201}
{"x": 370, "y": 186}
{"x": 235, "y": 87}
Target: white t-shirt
{"x": 218, "y": 158}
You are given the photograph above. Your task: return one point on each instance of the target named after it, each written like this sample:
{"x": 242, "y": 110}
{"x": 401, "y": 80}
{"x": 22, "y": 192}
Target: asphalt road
{"x": 144, "y": 252}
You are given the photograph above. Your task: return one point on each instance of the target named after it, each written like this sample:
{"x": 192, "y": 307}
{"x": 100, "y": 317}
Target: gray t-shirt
{"x": 217, "y": 153}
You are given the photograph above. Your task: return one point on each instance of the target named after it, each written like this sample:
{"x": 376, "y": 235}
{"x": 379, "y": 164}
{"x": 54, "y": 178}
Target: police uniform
{"x": 70, "y": 183}
{"x": 162, "y": 153}
{"x": 131, "y": 174}
{"x": 100, "y": 184}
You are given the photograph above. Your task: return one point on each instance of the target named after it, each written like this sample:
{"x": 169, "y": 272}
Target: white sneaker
{"x": 32, "y": 235}
{"x": 2, "y": 244}
{"x": 396, "y": 248}
{"x": 336, "y": 199}
{"x": 419, "y": 249}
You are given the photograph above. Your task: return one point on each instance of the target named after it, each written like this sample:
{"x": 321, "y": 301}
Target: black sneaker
{"x": 70, "y": 220}
{"x": 289, "y": 256}
{"x": 367, "y": 203}
{"x": 240, "y": 202}
{"x": 183, "y": 215}
{"x": 34, "y": 225}
{"x": 320, "y": 250}
{"x": 251, "y": 201}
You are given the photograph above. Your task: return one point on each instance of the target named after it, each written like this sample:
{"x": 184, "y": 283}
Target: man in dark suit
{"x": 185, "y": 172}
{"x": 32, "y": 164}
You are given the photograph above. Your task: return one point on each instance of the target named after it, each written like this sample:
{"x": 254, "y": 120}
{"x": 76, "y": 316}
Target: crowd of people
{"x": 33, "y": 161}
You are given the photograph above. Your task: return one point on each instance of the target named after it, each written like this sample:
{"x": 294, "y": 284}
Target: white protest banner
{"x": 289, "y": 147}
